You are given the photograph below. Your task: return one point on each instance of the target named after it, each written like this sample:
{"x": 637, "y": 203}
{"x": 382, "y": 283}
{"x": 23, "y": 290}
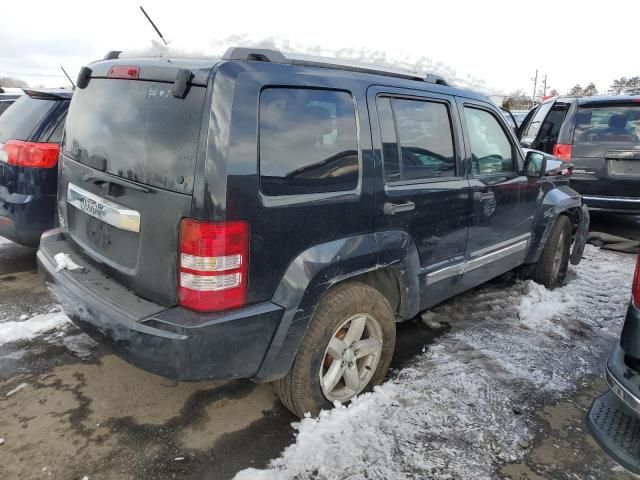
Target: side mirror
{"x": 535, "y": 164}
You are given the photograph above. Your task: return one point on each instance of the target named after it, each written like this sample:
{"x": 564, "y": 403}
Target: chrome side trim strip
{"x": 445, "y": 273}
{"x": 105, "y": 210}
{"x": 625, "y": 395}
{"x": 497, "y": 246}
{"x": 612, "y": 199}
{"x": 497, "y": 255}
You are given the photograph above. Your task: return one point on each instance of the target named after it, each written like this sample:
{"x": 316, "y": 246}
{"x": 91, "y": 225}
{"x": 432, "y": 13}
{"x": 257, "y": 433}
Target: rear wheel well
{"x": 385, "y": 281}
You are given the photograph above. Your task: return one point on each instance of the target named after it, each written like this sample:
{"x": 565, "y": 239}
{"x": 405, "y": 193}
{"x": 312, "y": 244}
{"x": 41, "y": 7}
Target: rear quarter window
{"x": 308, "y": 141}
{"x": 22, "y": 118}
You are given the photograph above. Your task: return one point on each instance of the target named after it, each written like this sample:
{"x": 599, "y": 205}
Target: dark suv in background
{"x": 30, "y": 134}
{"x": 601, "y": 137}
{"x": 272, "y": 217}
{"x": 8, "y": 96}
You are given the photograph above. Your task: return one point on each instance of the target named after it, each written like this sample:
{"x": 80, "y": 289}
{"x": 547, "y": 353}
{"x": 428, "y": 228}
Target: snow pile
{"x": 31, "y": 328}
{"x": 462, "y": 408}
{"x": 64, "y": 262}
{"x": 540, "y": 307}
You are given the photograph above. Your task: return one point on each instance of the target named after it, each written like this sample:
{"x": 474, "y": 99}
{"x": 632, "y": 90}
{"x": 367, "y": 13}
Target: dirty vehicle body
{"x": 614, "y": 418}
{"x": 271, "y": 217}
{"x": 30, "y": 134}
{"x": 601, "y": 137}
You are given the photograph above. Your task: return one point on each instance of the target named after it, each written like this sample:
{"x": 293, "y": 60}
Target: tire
{"x": 553, "y": 264}
{"x": 342, "y": 307}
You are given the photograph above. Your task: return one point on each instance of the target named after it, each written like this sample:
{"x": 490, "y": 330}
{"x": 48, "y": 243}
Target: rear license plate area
{"x": 624, "y": 168}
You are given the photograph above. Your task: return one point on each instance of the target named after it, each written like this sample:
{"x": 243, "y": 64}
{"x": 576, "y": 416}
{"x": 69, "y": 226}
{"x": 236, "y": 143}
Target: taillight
{"x": 563, "y": 151}
{"x": 213, "y": 265}
{"x": 29, "y": 154}
{"x": 128, "y": 72}
{"x": 635, "y": 289}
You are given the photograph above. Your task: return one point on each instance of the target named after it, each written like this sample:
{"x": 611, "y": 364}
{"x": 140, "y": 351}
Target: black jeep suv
{"x": 270, "y": 217}
{"x": 601, "y": 137}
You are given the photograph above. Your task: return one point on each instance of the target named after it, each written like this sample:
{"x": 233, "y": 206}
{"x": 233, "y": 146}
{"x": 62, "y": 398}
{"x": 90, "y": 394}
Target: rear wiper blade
{"x": 95, "y": 178}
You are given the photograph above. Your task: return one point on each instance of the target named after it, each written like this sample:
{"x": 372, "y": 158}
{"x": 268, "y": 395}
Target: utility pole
{"x": 544, "y": 92}
{"x": 535, "y": 85}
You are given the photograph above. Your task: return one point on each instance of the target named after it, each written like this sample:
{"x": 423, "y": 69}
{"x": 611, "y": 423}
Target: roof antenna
{"x": 70, "y": 81}
{"x": 153, "y": 25}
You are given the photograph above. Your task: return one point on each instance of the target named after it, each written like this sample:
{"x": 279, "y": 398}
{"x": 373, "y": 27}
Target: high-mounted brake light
{"x": 29, "y": 154}
{"x": 635, "y": 289}
{"x": 213, "y": 265}
{"x": 563, "y": 151}
{"x": 128, "y": 72}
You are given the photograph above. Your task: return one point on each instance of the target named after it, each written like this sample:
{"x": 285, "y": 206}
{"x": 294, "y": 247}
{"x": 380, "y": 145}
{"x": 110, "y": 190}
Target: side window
{"x": 308, "y": 141}
{"x": 533, "y": 128}
{"x": 425, "y": 137}
{"x": 491, "y": 151}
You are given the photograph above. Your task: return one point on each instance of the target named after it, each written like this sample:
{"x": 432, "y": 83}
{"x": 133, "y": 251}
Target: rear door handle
{"x": 393, "y": 208}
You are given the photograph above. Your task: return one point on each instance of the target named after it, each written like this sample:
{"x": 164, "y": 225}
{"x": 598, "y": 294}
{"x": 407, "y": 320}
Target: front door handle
{"x": 393, "y": 208}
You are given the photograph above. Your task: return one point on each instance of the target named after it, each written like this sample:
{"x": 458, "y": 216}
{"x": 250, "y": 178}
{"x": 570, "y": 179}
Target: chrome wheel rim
{"x": 351, "y": 358}
{"x": 557, "y": 259}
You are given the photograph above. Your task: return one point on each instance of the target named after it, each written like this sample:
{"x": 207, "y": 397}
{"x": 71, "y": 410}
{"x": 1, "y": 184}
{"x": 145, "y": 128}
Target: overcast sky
{"x": 498, "y": 44}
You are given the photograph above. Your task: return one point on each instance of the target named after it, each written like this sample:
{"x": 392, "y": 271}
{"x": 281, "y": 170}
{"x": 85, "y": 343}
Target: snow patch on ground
{"x": 462, "y": 408}
{"x": 14, "y": 331}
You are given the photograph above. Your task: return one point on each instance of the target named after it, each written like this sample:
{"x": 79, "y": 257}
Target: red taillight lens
{"x": 128, "y": 72}
{"x": 29, "y": 154}
{"x": 213, "y": 265}
{"x": 562, "y": 151}
{"x": 635, "y": 289}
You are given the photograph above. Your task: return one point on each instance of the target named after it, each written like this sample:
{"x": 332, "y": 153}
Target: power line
{"x": 6, "y": 72}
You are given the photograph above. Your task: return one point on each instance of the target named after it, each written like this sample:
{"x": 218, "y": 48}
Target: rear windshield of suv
{"x": 19, "y": 121}
{"x": 608, "y": 123}
{"x": 136, "y": 130}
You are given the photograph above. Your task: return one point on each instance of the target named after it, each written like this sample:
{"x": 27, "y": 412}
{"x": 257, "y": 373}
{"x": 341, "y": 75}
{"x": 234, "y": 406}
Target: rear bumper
{"x": 622, "y": 380}
{"x": 23, "y": 218}
{"x": 612, "y": 204}
{"x": 614, "y": 417}
{"x": 175, "y": 342}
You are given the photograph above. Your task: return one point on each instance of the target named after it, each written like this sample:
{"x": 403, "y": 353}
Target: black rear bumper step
{"x": 616, "y": 428}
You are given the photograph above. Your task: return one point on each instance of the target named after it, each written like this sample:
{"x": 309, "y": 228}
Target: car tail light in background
{"x": 29, "y": 154}
{"x": 128, "y": 72}
{"x": 635, "y": 289}
{"x": 562, "y": 151}
{"x": 213, "y": 265}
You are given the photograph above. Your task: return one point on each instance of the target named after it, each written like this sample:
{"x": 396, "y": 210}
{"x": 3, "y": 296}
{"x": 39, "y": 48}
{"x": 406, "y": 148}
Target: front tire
{"x": 553, "y": 264}
{"x": 346, "y": 350}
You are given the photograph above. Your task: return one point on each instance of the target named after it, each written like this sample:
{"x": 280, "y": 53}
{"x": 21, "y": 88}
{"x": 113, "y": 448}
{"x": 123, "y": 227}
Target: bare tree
{"x": 12, "y": 82}
{"x": 554, "y": 92}
{"x": 576, "y": 90}
{"x": 619, "y": 85}
{"x": 590, "y": 90}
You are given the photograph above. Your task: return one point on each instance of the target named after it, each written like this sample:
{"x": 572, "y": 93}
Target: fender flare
{"x": 556, "y": 201}
{"x": 317, "y": 269}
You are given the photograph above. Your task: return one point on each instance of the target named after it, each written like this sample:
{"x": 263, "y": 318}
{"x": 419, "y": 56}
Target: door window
{"x": 425, "y": 138}
{"x": 491, "y": 150}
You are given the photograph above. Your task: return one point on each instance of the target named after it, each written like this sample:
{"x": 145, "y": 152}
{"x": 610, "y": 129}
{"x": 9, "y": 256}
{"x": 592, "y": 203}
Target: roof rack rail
{"x": 257, "y": 54}
{"x": 112, "y": 55}
{"x": 275, "y": 56}
{"x": 437, "y": 79}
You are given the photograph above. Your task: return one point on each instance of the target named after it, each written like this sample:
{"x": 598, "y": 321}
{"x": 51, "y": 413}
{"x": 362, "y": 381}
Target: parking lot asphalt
{"x": 70, "y": 409}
